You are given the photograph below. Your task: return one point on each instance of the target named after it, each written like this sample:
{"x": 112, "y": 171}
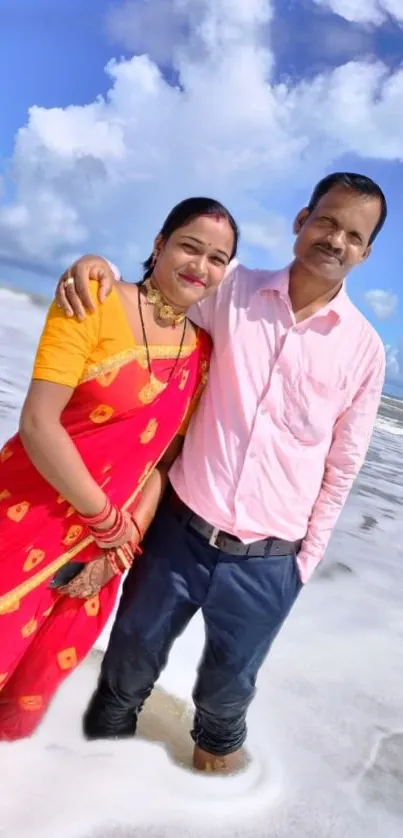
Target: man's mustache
{"x": 329, "y": 250}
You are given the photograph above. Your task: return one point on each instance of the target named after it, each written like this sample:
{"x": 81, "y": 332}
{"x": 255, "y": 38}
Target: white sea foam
{"x": 325, "y": 728}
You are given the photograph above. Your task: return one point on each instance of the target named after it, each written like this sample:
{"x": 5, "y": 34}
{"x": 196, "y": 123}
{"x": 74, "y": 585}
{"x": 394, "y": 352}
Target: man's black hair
{"x": 361, "y": 184}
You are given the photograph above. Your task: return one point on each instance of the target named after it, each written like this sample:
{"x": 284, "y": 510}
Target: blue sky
{"x": 64, "y": 188}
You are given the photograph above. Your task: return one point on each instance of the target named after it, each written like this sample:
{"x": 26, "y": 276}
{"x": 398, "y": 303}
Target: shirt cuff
{"x": 307, "y": 564}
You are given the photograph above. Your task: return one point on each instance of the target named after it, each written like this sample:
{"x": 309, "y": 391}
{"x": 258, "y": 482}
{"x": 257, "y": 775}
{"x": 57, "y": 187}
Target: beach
{"x": 326, "y": 726}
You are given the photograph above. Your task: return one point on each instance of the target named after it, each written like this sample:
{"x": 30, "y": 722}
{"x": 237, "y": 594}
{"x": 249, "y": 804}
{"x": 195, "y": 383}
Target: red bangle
{"x": 114, "y": 563}
{"x": 112, "y": 532}
{"x": 94, "y": 520}
{"x": 126, "y": 556}
{"x": 114, "y": 536}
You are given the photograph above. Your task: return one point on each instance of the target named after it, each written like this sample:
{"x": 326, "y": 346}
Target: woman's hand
{"x": 90, "y": 580}
{"x": 115, "y": 561}
{"x": 122, "y": 531}
{"x": 73, "y": 297}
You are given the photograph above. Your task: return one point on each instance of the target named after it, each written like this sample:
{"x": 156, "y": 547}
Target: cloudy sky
{"x": 111, "y": 112}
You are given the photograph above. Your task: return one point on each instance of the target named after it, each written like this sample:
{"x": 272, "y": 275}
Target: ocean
{"x": 326, "y": 726}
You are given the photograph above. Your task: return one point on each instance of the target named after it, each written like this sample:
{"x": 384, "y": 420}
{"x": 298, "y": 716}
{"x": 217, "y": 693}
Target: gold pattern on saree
{"x": 151, "y": 390}
{"x": 136, "y": 353}
{"x": 184, "y": 379}
{"x": 4, "y": 494}
{"x": 101, "y": 414}
{"x": 29, "y": 628}
{"x": 92, "y": 606}
{"x": 204, "y": 371}
{"x": 5, "y": 453}
{"x": 67, "y": 658}
{"x": 11, "y": 604}
{"x": 72, "y": 535}
{"x": 30, "y": 702}
{"x": 34, "y": 558}
{"x": 149, "y": 432}
{"x": 107, "y": 378}
{"x": 17, "y": 512}
{"x": 147, "y": 471}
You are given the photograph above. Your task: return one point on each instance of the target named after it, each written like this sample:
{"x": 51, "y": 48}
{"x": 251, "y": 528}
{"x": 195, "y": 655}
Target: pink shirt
{"x": 286, "y": 417}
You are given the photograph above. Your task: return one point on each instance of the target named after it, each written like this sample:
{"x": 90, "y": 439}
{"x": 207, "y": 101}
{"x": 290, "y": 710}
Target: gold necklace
{"x": 154, "y": 386}
{"x": 163, "y": 309}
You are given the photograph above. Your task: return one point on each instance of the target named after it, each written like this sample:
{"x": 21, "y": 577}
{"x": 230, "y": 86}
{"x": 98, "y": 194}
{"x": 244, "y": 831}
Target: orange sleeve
{"x": 66, "y": 344}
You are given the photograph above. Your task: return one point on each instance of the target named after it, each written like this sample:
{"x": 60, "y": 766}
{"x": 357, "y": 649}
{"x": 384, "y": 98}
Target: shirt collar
{"x": 278, "y": 281}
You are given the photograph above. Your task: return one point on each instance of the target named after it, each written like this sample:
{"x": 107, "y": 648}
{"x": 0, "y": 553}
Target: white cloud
{"x": 272, "y": 234}
{"x": 394, "y": 363}
{"x": 365, "y": 11}
{"x": 162, "y": 29}
{"x": 156, "y": 27}
{"x": 102, "y": 176}
{"x": 382, "y": 303}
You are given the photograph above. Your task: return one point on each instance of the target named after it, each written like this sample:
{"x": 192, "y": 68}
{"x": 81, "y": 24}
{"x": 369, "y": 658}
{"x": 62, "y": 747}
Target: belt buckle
{"x": 213, "y": 537}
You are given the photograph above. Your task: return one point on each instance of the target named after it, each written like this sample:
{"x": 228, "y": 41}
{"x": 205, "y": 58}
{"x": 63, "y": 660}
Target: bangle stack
{"x": 116, "y": 535}
{"x": 115, "y": 540}
{"x": 93, "y": 521}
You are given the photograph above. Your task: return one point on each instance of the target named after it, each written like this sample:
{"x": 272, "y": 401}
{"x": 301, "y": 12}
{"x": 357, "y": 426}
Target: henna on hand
{"x": 90, "y": 580}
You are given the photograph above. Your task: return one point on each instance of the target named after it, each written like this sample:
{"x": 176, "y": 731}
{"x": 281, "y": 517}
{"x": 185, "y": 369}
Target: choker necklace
{"x": 163, "y": 310}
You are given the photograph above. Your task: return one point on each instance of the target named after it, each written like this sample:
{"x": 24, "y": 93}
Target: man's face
{"x": 334, "y": 237}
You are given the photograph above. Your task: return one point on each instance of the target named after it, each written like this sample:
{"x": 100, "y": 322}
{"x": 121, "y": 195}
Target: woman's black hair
{"x": 185, "y": 212}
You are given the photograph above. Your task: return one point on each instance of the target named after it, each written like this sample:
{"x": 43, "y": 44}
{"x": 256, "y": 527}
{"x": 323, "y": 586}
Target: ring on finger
{"x": 68, "y": 281}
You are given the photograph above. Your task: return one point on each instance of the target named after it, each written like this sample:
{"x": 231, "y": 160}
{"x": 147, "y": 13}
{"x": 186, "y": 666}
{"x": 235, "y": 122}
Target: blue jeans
{"x": 244, "y": 601}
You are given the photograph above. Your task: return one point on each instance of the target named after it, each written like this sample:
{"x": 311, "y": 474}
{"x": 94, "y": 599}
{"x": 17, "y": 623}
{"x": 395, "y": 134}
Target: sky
{"x": 112, "y": 112}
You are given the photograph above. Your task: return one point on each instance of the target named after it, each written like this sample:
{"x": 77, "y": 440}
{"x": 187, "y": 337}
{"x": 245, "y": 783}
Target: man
{"x": 268, "y": 461}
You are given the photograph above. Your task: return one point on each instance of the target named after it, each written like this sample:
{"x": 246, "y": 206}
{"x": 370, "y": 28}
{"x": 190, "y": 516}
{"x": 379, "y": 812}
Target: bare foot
{"x": 230, "y": 764}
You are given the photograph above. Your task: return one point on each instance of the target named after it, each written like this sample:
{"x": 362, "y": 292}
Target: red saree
{"x": 121, "y": 425}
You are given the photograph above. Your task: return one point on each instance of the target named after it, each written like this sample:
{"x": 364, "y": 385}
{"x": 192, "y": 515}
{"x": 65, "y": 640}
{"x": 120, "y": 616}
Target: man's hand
{"x": 73, "y": 297}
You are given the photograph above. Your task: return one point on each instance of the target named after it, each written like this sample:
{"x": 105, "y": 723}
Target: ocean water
{"x": 326, "y": 727}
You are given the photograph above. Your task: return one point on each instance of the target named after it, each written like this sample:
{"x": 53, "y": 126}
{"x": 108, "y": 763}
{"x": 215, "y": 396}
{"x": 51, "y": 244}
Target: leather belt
{"x": 221, "y": 540}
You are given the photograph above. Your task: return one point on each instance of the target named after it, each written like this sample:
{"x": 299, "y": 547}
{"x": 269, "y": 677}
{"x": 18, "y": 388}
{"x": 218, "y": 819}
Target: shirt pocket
{"x": 311, "y": 408}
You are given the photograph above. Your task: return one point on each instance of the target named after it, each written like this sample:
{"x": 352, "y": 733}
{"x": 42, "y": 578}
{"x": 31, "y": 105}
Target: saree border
{"x": 135, "y": 353}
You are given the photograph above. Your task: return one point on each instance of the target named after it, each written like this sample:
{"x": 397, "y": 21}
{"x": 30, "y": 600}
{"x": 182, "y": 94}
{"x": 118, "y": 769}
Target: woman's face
{"x": 192, "y": 262}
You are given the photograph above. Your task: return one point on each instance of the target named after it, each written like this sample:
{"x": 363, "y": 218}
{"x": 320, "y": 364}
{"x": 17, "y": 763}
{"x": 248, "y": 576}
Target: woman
{"x": 108, "y": 397}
